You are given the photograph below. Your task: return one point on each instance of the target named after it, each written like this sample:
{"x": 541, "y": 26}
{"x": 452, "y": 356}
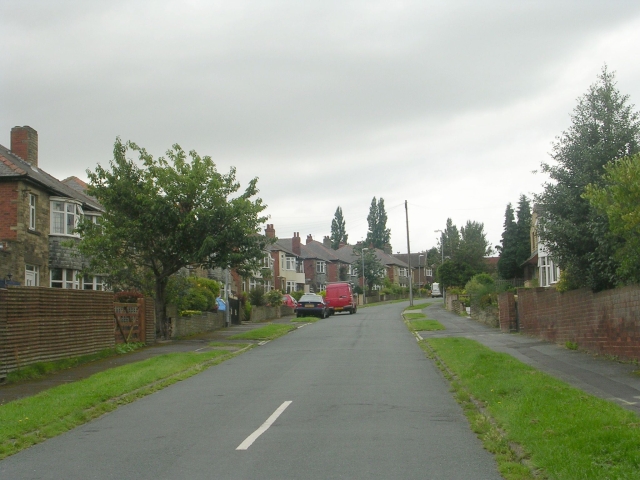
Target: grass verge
{"x": 418, "y": 306}
{"x": 40, "y": 369}
{"x": 305, "y": 319}
{"x": 268, "y": 332}
{"x": 32, "y": 420}
{"x": 536, "y": 425}
{"x": 425, "y": 325}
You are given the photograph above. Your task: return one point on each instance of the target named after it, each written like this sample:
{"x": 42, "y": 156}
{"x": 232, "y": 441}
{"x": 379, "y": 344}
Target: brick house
{"x": 38, "y": 215}
{"x": 421, "y": 273}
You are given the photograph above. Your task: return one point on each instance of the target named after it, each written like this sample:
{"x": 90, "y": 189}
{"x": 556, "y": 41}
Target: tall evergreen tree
{"x": 604, "y": 128}
{"x": 378, "y": 235}
{"x": 523, "y": 230}
{"x": 508, "y": 266}
{"x": 338, "y": 230}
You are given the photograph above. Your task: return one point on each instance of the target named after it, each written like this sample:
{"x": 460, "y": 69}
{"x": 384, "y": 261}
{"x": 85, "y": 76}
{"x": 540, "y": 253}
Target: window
{"x": 64, "y": 278}
{"x": 65, "y": 217}
{"x": 321, "y": 267}
{"x": 404, "y": 272}
{"x": 31, "y": 275}
{"x": 291, "y": 263}
{"x": 32, "y": 211}
{"x": 428, "y": 272}
{"x": 291, "y": 286}
{"x": 267, "y": 261}
{"x": 93, "y": 283}
{"x": 549, "y": 272}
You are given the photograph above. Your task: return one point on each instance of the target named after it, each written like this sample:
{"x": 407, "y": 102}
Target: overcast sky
{"x": 450, "y": 106}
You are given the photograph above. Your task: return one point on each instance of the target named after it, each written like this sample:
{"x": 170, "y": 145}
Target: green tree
{"x": 604, "y": 128}
{"x": 473, "y": 246}
{"x": 523, "y": 230}
{"x": 508, "y": 266}
{"x": 453, "y": 273}
{"x": 378, "y": 235}
{"x": 449, "y": 240}
{"x": 374, "y": 271}
{"x": 338, "y": 230}
{"x": 166, "y": 213}
{"x": 619, "y": 199}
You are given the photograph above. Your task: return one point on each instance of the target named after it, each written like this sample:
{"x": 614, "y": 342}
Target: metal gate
{"x": 234, "y": 311}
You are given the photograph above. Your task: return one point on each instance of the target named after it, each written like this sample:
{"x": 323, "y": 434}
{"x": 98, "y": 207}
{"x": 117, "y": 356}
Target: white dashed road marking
{"x": 264, "y": 427}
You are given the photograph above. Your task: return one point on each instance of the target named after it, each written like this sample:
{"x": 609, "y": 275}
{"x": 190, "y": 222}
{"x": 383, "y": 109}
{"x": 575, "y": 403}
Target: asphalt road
{"x": 355, "y": 395}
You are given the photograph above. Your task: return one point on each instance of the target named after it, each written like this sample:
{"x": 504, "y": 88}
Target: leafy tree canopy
{"x": 378, "y": 235}
{"x": 619, "y": 200}
{"x": 374, "y": 270}
{"x": 338, "y": 230}
{"x": 163, "y": 214}
{"x": 604, "y": 128}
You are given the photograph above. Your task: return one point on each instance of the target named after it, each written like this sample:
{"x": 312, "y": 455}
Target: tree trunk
{"x": 161, "y": 308}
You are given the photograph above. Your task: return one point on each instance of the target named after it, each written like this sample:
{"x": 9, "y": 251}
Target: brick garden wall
{"x": 606, "y": 322}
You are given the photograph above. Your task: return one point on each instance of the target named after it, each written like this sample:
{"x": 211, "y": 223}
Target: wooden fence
{"x": 39, "y": 324}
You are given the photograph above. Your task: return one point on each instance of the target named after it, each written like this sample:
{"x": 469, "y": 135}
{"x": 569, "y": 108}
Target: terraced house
{"x": 38, "y": 217}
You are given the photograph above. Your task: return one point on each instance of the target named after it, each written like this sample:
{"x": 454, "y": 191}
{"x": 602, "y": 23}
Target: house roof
{"x": 346, "y": 253}
{"x": 13, "y": 167}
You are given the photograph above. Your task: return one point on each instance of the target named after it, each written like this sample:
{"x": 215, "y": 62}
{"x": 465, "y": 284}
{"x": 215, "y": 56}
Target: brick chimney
{"x": 24, "y": 143}
{"x": 326, "y": 241}
{"x": 309, "y": 239}
{"x": 295, "y": 243}
{"x": 270, "y": 232}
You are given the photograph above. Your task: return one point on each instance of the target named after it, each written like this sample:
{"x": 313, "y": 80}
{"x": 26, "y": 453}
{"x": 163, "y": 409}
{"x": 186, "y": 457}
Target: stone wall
{"x": 487, "y": 316}
{"x": 194, "y": 324}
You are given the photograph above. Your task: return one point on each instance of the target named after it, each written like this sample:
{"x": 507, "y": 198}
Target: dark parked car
{"x": 311, "y": 304}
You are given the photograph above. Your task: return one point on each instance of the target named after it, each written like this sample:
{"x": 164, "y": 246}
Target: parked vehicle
{"x": 289, "y": 301}
{"x": 435, "y": 290}
{"x": 311, "y": 304}
{"x": 339, "y": 298}
{"x": 222, "y": 306}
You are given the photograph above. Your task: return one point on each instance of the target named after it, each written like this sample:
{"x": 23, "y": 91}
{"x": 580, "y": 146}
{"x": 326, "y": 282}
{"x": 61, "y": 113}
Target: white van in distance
{"x": 435, "y": 290}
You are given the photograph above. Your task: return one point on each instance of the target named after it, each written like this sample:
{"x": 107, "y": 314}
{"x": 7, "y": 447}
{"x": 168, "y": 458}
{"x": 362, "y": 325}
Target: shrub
{"x": 193, "y": 293}
{"x": 297, "y": 294}
{"x": 274, "y": 297}
{"x": 256, "y": 297}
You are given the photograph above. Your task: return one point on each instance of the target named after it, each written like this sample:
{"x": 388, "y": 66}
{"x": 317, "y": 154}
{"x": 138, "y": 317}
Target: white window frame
{"x": 291, "y": 286}
{"x": 62, "y": 218}
{"x": 35, "y": 269}
{"x": 32, "y": 211}
{"x": 69, "y": 279}
{"x": 93, "y": 282}
{"x": 321, "y": 266}
{"x": 290, "y": 263}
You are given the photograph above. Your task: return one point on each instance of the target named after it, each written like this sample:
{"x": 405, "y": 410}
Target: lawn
{"x": 533, "y": 422}
{"x": 31, "y": 420}
{"x": 268, "y": 332}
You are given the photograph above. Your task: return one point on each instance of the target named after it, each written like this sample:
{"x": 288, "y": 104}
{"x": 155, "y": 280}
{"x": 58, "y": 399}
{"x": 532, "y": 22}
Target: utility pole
{"x": 406, "y": 209}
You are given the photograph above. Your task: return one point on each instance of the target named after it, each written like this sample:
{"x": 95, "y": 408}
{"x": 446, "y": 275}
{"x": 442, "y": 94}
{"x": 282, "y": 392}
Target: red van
{"x": 340, "y": 298}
